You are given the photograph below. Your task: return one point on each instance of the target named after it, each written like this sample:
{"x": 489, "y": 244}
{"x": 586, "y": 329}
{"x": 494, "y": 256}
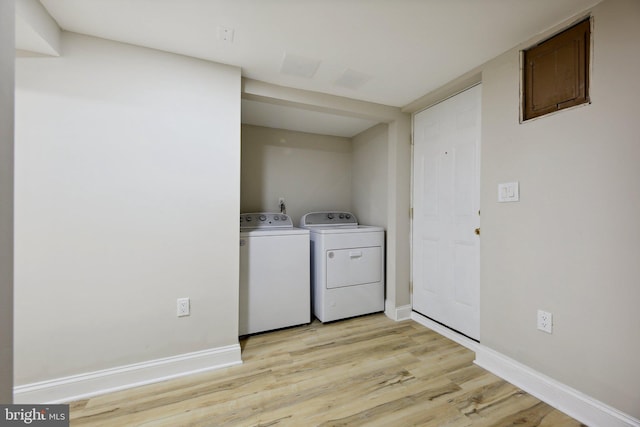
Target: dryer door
{"x": 355, "y": 266}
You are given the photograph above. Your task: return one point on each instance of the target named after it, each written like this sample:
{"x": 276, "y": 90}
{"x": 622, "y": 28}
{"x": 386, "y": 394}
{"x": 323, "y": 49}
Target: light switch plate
{"x": 509, "y": 192}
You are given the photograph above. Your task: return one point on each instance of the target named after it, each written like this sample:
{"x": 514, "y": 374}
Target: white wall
{"x": 369, "y": 176}
{"x": 127, "y": 197}
{"x": 570, "y": 246}
{"x": 7, "y": 19}
{"x": 312, "y": 172}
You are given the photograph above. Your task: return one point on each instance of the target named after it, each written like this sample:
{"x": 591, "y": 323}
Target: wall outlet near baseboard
{"x": 184, "y": 307}
{"x": 545, "y": 321}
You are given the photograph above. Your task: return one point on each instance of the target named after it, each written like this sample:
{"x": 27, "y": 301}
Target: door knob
{"x": 477, "y": 231}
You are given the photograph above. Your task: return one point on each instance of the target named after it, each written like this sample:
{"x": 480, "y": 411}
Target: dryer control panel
{"x": 328, "y": 218}
{"x": 264, "y": 220}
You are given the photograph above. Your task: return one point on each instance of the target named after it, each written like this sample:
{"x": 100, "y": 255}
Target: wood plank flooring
{"x": 368, "y": 371}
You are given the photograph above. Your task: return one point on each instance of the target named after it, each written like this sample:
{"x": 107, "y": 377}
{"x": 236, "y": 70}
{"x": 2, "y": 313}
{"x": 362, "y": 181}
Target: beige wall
{"x": 381, "y": 192}
{"x": 312, "y": 172}
{"x": 7, "y": 20}
{"x": 369, "y": 176}
{"x": 398, "y": 202}
{"x": 127, "y": 197}
{"x": 315, "y": 172}
{"x": 571, "y": 245}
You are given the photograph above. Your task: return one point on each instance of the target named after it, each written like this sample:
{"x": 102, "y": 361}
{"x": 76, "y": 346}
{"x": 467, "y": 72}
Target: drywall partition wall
{"x": 127, "y": 198}
{"x": 36, "y": 31}
{"x": 570, "y": 245}
{"x": 398, "y": 293}
{"x": 312, "y": 172}
{"x": 7, "y": 16}
{"x": 369, "y": 176}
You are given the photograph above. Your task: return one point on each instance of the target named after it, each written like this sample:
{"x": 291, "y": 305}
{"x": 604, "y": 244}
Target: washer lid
{"x": 329, "y": 219}
{"x": 336, "y": 229}
{"x": 272, "y": 232}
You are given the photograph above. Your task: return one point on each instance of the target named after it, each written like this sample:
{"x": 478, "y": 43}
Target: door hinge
{"x": 410, "y": 213}
{"x": 410, "y": 287}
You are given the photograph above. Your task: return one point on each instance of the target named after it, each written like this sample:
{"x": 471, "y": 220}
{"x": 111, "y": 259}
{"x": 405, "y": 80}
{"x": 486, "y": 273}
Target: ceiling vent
{"x": 296, "y": 65}
{"x": 352, "y": 79}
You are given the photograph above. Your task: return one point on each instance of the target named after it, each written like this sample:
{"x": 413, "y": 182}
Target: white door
{"x": 446, "y": 178}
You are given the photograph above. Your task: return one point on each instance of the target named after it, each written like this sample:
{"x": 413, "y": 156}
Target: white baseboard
{"x": 578, "y": 405}
{"x": 67, "y": 389}
{"x": 446, "y": 332}
{"x": 397, "y": 313}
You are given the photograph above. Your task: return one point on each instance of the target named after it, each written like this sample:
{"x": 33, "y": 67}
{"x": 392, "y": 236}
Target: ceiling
{"x": 381, "y": 51}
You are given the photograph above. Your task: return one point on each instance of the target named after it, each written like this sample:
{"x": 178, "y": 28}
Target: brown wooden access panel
{"x": 556, "y": 72}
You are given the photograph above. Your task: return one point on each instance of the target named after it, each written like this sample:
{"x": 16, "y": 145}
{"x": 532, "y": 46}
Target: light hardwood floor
{"x": 368, "y": 370}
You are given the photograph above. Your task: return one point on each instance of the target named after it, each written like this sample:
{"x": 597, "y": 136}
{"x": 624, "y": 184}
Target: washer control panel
{"x": 328, "y": 218}
{"x": 264, "y": 220}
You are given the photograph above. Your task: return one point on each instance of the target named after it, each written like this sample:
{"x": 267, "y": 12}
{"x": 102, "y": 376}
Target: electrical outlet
{"x": 545, "y": 321}
{"x": 183, "y": 307}
{"x": 225, "y": 34}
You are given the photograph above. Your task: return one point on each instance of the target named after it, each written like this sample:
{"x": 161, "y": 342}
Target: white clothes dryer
{"x": 347, "y": 265}
{"x": 274, "y": 273}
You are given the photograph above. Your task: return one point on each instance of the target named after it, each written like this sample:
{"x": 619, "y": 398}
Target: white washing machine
{"x": 347, "y": 265}
{"x": 274, "y": 273}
